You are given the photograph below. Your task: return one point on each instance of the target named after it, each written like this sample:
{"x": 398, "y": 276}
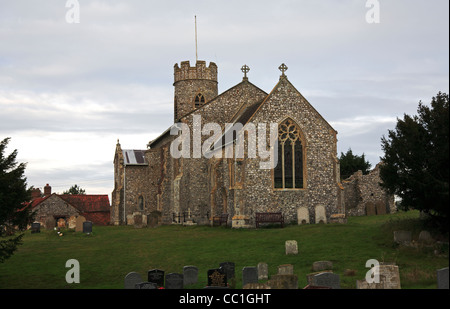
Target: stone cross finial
{"x": 283, "y": 68}
{"x": 245, "y": 70}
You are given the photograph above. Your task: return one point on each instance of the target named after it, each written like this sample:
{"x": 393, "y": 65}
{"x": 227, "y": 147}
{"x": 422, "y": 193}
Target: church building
{"x": 241, "y": 152}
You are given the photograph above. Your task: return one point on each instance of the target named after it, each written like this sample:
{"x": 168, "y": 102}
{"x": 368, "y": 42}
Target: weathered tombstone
{"x": 79, "y": 223}
{"x": 442, "y": 278}
{"x": 174, "y": 281}
{"x": 228, "y": 268}
{"x": 322, "y": 265}
{"x": 72, "y": 222}
{"x": 61, "y": 223}
{"x": 370, "y": 209}
{"x": 380, "y": 208}
{"x": 146, "y": 286}
{"x": 217, "y": 278}
{"x": 35, "y": 227}
{"x": 286, "y": 269}
{"x": 131, "y": 279}
{"x": 425, "y": 237}
{"x": 321, "y": 216}
{"x": 156, "y": 276}
{"x": 137, "y": 220}
{"x": 283, "y": 282}
{"x": 327, "y": 279}
{"x": 190, "y": 275}
{"x": 263, "y": 271}
{"x": 302, "y": 215}
{"x": 154, "y": 218}
{"x": 87, "y": 227}
{"x": 402, "y": 237}
{"x": 50, "y": 223}
{"x": 291, "y": 247}
{"x": 249, "y": 275}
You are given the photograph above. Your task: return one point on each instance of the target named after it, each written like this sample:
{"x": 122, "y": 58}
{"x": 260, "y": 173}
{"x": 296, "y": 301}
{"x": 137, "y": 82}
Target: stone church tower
{"x": 154, "y": 186}
{"x": 194, "y": 86}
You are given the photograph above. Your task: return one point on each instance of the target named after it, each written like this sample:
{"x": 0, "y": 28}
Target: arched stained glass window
{"x": 288, "y": 174}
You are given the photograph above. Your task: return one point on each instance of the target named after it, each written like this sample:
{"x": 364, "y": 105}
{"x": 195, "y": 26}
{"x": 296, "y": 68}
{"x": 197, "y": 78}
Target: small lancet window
{"x": 199, "y": 100}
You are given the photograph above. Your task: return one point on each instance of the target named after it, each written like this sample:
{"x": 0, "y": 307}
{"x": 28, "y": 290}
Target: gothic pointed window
{"x": 199, "y": 100}
{"x": 289, "y": 172}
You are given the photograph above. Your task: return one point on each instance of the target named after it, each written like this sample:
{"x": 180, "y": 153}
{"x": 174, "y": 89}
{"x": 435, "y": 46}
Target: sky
{"x": 75, "y": 76}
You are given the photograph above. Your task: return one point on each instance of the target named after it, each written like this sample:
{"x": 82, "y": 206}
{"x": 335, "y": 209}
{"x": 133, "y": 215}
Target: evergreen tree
{"x": 14, "y": 212}
{"x": 416, "y": 160}
{"x": 350, "y": 163}
{"x": 75, "y": 189}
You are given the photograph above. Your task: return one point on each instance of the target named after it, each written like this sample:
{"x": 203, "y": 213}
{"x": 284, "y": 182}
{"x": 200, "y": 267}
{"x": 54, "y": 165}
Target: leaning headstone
{"x": 291, "y": 247}
{"x": 156, "y": 276}
{"x": 283, "y": 282}
{"x": 35, "y": 227}
{"x": 286, "y": 269}
{"x": 402, "y": 237}
{"x": 146, "y": 286}
{"x": 79, "y": 223}
{"x": 87, "y": 227}
{"x": 174, "y": 281}
{"x": 228, "y": 267}
{"x": 249, "y": 275}
{"x": 442, "y": 278}
{"x": 131, "y": 279}
{"x": 217, "y": 278}
{"x": 190, "y": 275}
{"x": 322, "y": 265}
{"x": 263, "y": 271}
{"x": 327, "y": 279}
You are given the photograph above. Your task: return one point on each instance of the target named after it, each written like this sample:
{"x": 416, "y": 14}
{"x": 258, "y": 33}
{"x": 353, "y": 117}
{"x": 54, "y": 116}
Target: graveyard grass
{"x": 111, "y": 252}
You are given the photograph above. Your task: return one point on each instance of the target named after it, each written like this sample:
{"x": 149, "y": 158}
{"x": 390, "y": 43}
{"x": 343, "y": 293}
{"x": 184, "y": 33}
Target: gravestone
{"x": 256, "y": 286}
{"x": 402, "y": 237}
{"x": 263, "y": 271}
{"x": 190, "y": 275}
{"x": 87, "y": 227}
{"x": 425, "y": 237}
{"x": 249, "y": 275}
{"x": 50, "y": 223}
{"x": 322, "y": 265}
{"x": 442, "y": 278}
{"x": 146, "y": 286}
{"x": 61, "y": 223}
{"x": 156, "y": 276}
{"x": 286, "y": 269}
{"x": 321, "y": 216}
{"x": 327, "y": 279}
{"x": 302, "y": 215}
{"x": 291, "y": 247}
{"x": 72, "y": 222}
{"x": 228, "y": 268}
{"x": 79, "y": 223}
{"x": 35, "y": 227}
{"x": 174, "y": 281}
{"x": 217, "y": 278}
{"x": 283, "y": 282}
{"x": 370, "y": 209}
{"x": 131, "y": 279}
{"x": 380, "y": 208}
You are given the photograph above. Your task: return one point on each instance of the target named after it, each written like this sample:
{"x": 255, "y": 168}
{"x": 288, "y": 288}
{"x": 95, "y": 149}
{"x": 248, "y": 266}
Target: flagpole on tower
{"x": 196, "y": 56}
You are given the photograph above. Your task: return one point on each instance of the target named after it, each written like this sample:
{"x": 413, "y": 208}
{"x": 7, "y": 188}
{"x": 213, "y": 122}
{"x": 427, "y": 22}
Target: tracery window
{"x": 199, "y": 100}
{"x": 288, "y": 174}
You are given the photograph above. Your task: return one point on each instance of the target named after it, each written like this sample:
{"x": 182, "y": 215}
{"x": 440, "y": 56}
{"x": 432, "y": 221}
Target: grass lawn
{"x": 111, "y": 252}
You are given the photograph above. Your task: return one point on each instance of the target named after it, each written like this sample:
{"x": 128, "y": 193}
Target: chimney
{"x": 47, "y": 190}
{"x": 35, "y": 193}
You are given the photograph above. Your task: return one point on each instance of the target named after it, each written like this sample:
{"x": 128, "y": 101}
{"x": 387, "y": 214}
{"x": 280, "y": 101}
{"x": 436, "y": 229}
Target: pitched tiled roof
{"x": 87, "y": 203}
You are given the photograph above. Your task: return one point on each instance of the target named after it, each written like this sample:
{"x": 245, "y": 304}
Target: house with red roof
{"x": 52, "y": 208}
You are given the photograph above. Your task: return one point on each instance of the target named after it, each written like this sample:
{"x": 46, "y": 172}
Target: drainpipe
{"x": 124, "y": 194}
